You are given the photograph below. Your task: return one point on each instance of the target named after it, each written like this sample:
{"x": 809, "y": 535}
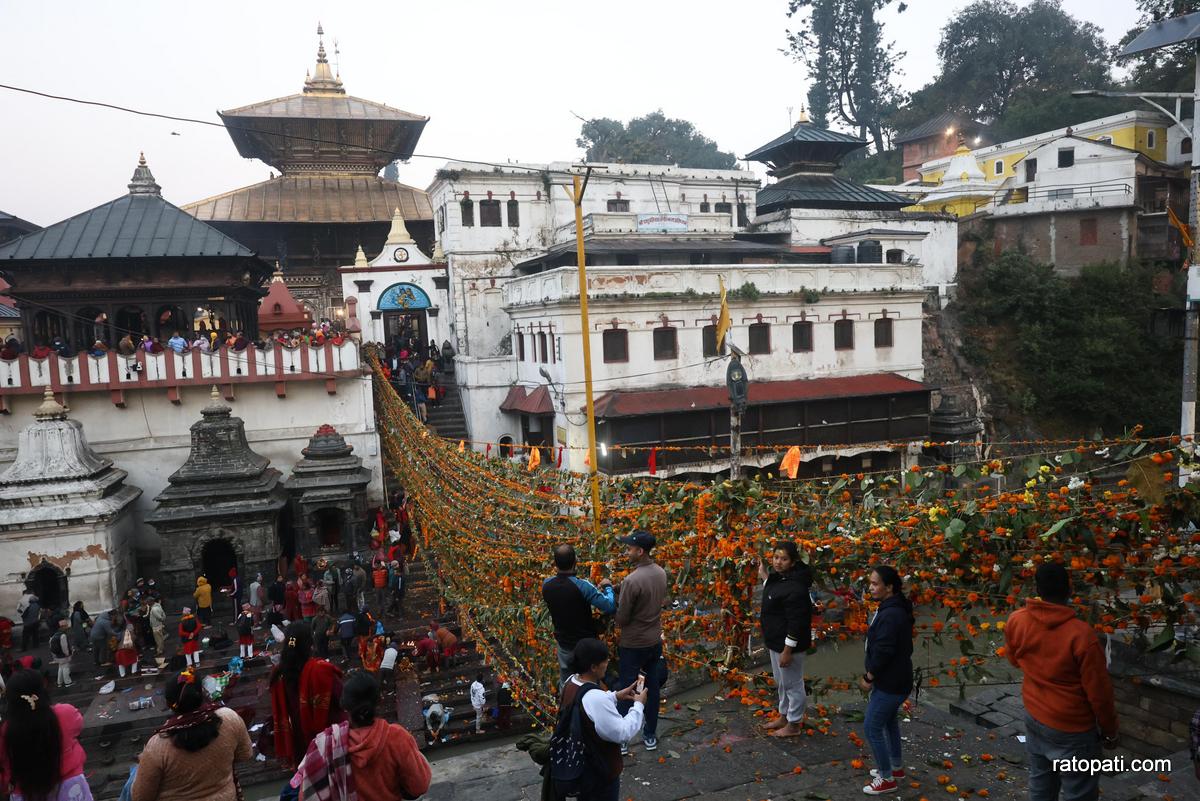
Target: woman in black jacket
{"x": 786, "y": 620}
{"x": 888, "y": 677}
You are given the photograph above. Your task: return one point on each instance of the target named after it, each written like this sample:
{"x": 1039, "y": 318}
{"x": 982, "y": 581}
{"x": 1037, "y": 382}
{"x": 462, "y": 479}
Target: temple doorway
{"x": 330, "y": 524}
{"x": 49, "y": 584}
{"x": 287, "y": 535}
{"x": 404, "y": 330}
{"x": 217, "y": 558}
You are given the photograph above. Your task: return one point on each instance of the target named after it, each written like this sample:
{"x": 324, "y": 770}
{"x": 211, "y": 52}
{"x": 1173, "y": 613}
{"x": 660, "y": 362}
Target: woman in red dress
{"x": 305, "y": 695}
{"x": 127, "y": 650}
{"x": 291, "y": 601}
{"x": 189, "y": 636}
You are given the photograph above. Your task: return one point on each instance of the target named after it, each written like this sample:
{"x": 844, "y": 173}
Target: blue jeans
{"x": 1045, "y": 745}
{"x": 882, "y": 727}
{"x": 644, "y": 659}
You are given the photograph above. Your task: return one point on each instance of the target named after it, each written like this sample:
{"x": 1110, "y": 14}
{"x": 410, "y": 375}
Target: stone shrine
{"x": 66, "y": 518}
{"x": 328, "y": 491}
{"x": 222, "y": 509}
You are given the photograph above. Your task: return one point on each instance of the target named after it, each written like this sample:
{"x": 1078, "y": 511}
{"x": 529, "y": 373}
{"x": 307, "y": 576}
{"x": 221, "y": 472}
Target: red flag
{"x": 560, "y": 450}
{"x": 653, "y": 460}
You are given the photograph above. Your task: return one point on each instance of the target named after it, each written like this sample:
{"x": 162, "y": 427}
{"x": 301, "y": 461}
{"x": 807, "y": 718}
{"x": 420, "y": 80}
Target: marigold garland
{"x": 967, "y": 538}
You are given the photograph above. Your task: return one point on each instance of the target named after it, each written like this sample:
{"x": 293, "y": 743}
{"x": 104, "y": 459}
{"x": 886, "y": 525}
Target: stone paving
{"x": 711, "y": 750}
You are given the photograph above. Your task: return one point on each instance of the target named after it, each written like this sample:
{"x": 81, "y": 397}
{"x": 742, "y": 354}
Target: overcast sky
{"x": 499, "y": 80}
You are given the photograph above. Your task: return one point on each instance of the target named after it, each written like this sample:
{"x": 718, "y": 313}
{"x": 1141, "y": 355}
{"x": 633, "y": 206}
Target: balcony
{"x": 1032, "y": 199}
{"x": 683, "y": 281}
{"x": 170, "y": 371}
{"x": 611, "y": 222}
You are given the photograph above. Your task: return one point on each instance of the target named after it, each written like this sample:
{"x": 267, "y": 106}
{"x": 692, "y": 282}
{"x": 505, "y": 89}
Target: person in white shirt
{"x": 387, "y": 668}
{"x": 478, "y": 701}
{"x": 589, "y": 660}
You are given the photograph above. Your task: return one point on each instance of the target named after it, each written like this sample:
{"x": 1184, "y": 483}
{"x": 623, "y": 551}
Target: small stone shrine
{"x": 328, "y": 490}
{"x": 221, "y": 510}
{"x": 66, "y": 518}
{"x": 956, "y": 430}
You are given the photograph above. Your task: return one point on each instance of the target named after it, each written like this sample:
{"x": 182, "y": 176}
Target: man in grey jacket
{"x": 639, "y": 616}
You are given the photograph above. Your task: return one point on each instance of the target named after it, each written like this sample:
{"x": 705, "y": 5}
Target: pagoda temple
{"x": 137, "y": 264}
{"x": 803, "y": 161}
{"x": 328, "y": 199}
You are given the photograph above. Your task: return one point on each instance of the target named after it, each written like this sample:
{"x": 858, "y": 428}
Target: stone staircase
{"x": 447, "y": 418}
{"x": 113, "y": 745}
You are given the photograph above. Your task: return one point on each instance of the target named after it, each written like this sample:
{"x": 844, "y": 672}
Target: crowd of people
{"x": 1066, "y": 688}
{"x": 416, "y": 370}
{"x": 325, "y": 727}
{"x": 203, "y": 340}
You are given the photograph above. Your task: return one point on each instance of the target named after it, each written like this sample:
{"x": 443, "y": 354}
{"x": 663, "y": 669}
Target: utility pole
{"x": 1191, "y": 317}
{"x": 575, "y": 191}
{"x": 736, "y": 380}
{"x": 1164, "y": 33}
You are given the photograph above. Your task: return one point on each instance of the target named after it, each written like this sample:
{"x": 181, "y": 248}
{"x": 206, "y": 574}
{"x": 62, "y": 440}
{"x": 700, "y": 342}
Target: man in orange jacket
{"x": 1067, "y": 692}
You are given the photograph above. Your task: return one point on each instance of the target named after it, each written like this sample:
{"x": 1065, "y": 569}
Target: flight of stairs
{"x": 447, "y": 418}
{"x": 112, "y": 747}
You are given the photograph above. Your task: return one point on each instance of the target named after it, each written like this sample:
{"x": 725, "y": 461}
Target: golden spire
{"x": 360, "y": 258}
{"x": 322, "y": 80}
{"x": 275, "y": 276}
{"x": 399, "y": 235}
{"x": 803, "y": 115}
{"x": 50, "y": 408}
{"x": 439, "y": 255}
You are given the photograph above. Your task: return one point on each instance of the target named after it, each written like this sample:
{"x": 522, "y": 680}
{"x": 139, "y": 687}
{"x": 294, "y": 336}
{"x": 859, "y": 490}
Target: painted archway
{"x": 403, "y": 297}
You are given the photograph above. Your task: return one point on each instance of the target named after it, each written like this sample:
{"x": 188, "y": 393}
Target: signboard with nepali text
{"x": 662, "y": 223}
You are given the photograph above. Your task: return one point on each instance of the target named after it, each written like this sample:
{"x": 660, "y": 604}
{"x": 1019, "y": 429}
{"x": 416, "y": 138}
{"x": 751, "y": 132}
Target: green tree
{"x": 652, "y": 139}
{"x": 1170, "y": 69}
{"x": 852, "y": 70}
{"x": 992, "y": 51}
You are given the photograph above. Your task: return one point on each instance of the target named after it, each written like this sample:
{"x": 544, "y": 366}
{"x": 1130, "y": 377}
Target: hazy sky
{"x": 499, "y": 80}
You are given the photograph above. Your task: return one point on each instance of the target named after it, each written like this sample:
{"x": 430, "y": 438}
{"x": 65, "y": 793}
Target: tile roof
{"x": 819, "y": 191}
{"x": 805, "y": 132}
{"x": 315, "y": 106}
{"x": 536, "y": 402}
{"x": 938, "y": 124}
{"x": 316, "y": 198}
{"x": 694, "y": 399}
{"x": 132, "y": 226}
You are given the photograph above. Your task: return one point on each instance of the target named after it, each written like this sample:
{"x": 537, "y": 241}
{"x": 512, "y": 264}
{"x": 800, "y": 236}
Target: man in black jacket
{"x": 786, "y": 621}
{"x": 570, "y": 600}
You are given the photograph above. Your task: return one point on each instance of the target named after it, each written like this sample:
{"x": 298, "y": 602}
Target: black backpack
{"x": 245, "y": 625}
{"x": 571, "y": 753}
{"x": 56, "y": 646}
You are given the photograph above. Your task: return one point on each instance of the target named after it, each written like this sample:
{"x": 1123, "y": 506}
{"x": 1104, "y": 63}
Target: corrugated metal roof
{"x": 133, "y": 226}
{"x": 880, "y": 232}
{"x": 536, "y": 402}
{"x": 805, "y": 132}
{"x": 939, "y": 124}
{"x": 808, "y": 191}
{"x": 695, "y": 399}
{"x": 8, "y": 311}
{"x": 322, "y": 106}
{"x": 316, "y": 198}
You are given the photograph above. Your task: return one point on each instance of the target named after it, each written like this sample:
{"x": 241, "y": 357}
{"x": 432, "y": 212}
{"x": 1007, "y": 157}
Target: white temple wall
{"x": 150, "y": 438}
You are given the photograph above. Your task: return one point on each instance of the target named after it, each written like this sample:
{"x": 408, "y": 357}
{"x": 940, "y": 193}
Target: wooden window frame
{"x": 758, "y": 328}
{"x": 885, "y": 333}
{"x": 674, "y": 351}
{"x": 843, "y": 324}
{"x": 797, "y": 337}
{"x": 611, "y": 335}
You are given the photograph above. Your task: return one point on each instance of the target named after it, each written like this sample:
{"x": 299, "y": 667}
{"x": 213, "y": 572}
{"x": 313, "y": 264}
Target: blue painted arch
{"x": 403, "y": 297}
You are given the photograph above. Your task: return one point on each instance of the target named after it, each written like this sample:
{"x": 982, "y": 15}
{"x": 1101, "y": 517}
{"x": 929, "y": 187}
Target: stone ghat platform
{"x": 114, "y": 735}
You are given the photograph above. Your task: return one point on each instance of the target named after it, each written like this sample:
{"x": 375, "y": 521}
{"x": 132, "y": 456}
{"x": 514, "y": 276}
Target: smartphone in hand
{"x": 641, "y": 682}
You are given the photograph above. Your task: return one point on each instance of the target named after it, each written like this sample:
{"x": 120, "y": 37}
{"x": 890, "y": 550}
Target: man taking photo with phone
{"x": 639, "y": 616}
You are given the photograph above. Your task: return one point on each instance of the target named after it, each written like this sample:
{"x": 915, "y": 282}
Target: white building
{"x": 826, "y": 277}
{"x": 398, "y": 296}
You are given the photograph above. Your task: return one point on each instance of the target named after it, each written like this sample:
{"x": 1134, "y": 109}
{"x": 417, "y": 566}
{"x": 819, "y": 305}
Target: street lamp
{"x": 1164, "y": 33}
